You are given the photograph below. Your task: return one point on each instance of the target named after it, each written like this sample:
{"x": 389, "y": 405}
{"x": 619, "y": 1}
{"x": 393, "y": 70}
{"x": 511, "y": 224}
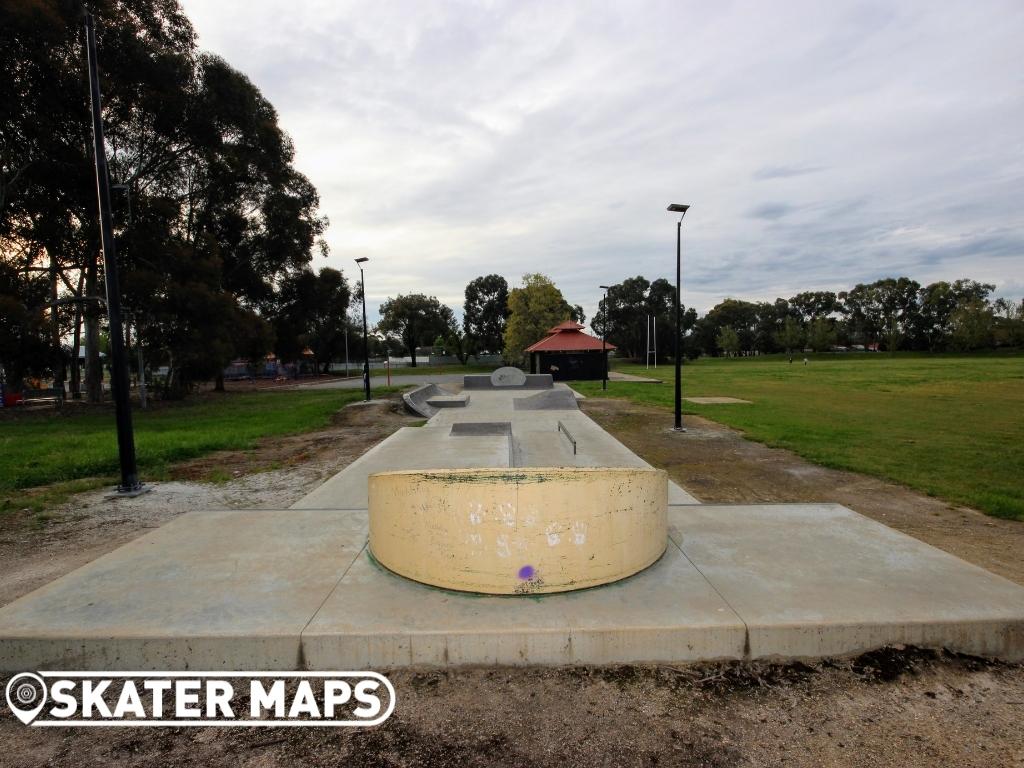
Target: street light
{"x": 129, "y": 485}
{"x": 366, "y": 345}
{"x": 604, "y": 334}
{"x": 680, "y": 209}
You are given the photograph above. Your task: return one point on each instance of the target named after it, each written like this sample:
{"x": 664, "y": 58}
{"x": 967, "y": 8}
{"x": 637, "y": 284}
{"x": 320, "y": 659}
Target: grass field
{"x": 77, "y": 448}
{"x": 951, "y": 426}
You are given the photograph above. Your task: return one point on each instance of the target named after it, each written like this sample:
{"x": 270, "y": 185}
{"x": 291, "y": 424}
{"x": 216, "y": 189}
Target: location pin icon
{"x": 26, "y": 696}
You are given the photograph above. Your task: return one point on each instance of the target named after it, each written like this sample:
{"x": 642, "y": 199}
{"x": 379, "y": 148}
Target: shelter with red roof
{"x": 569, "y": 354}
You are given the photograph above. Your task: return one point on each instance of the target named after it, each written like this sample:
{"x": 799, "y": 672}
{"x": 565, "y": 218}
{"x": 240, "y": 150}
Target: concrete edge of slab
{"x": 990, "y": 638}
{"x": 993, "y": 631}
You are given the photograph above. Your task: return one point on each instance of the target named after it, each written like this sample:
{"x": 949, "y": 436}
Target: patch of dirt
{"x": 90, "y": 525}
{"x": 899, "y": 707}
{"x": 716, "y": 464}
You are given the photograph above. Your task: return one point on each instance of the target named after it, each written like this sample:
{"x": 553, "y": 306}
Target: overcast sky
{"x": 820, "y": 144}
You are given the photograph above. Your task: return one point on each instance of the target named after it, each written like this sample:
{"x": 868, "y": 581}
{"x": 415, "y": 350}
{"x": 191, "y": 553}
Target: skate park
{"x": 508, "y": 529}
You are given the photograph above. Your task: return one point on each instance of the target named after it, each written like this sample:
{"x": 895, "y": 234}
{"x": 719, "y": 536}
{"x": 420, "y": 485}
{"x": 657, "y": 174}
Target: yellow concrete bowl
{"x": 518, "y": 531}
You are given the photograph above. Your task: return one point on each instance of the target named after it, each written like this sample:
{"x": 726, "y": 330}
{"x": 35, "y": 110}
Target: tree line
{"x": 889, "y": 314}
{"x": 217, "y": 232}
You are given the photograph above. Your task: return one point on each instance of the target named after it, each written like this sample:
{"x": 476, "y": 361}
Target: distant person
{"x": 790, "y": 359}
{"x": 805, "y": 361}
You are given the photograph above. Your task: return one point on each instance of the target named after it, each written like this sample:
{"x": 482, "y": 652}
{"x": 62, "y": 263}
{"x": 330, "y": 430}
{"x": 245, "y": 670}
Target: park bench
{"x": 47, "y": 395}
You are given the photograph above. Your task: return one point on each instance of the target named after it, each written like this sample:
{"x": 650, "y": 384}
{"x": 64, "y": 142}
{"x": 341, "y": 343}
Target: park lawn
{"x": 950, "y": 426}
{"x": 77, "y": 449}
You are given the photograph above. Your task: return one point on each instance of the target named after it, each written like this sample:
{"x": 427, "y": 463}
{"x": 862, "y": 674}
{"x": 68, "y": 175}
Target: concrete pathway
{"x": 411, "y": 379}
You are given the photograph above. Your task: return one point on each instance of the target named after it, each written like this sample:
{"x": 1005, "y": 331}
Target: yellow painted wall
{"x": 518, "y": 531}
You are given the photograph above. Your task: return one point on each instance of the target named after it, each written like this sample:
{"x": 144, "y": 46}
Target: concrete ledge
{"x": 449, "y": 401}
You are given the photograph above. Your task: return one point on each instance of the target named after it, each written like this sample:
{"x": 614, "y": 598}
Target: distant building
{"x": 568, "y": 354}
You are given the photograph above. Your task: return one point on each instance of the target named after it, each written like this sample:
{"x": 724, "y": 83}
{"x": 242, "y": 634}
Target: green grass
{"x": 950, "y": 426}
{"x": 76, "y": 449}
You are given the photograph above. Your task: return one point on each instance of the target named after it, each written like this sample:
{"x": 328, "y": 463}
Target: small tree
{"x": 534, "y": 309}
{"x": 485, "y": 311}
{"x": 972, "y": 326}
{"x": 791, "y": 336}
{"x": 461, "y": 344}
{"x": 415, "y": 319}
{"x": 728, "y": 340}
{"x": 821, "y": 335}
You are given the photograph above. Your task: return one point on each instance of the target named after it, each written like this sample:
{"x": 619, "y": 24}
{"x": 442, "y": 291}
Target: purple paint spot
{"x": 526, "y": 572}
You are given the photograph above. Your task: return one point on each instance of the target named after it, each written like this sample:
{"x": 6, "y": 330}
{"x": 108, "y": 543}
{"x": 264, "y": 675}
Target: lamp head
{"x": 361, "y": 259}
{"x": 678, "y": 208}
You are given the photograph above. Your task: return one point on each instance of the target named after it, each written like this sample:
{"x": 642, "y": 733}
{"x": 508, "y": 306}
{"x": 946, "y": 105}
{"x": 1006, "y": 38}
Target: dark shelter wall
{"x": 568, "y": 366}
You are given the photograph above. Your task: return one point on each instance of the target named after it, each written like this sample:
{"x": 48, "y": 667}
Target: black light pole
{"x": 130, "y": 485}
{"x": 366, "y": 344}
{"x": 604, "y": 335}
{"x": 681, "y": 209}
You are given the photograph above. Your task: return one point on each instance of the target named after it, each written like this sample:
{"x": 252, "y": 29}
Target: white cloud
{"x": 820, "y": 144}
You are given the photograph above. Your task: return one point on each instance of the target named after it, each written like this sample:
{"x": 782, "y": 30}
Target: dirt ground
{"x": 715, "y": 464}
{"x": 896, "y": 707}
{"x": 275, "y": 475}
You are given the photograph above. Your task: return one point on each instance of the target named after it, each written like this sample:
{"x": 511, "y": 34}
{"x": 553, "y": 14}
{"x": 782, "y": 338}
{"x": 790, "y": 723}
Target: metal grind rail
{"x": 569, "y": 437}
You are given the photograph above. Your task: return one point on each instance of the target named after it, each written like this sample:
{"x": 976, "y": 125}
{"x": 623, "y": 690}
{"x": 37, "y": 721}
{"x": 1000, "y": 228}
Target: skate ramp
{"x": 427, "y": 399}
{"x": 553, "y": 400}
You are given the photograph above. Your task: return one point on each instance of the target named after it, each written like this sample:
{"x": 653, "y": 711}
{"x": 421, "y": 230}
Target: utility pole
{"x": 366, "y": 341}
{"x": 130, "y": 485}
{"x": 604, "y": 335}
{"x": 680, "y": 209}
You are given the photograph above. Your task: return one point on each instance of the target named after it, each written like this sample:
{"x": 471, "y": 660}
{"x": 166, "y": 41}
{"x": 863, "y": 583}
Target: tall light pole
{"x": 130, "y": 485}
{"x": 366, "y": 344}
{"x": 604, "y": 335}
{"x": 680, "y": 209}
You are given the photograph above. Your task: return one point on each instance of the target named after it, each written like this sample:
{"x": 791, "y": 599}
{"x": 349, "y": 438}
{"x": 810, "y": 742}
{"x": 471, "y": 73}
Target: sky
{"x": 820, "y": 144}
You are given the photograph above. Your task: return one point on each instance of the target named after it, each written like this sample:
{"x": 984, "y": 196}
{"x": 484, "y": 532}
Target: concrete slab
{"x": 813, "y": 580}
{"x": 376, "y": 619}
{"x": 408, "y": 448}
{"x": 209, "y": 590}
{"x": 281, "y": 589}
{"x": 617, "y": 376}
{"x": 717, "y": 401}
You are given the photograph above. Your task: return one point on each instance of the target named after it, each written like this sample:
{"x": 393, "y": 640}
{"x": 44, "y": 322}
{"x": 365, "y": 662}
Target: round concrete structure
{"x": 518, "y": 531}
{"x": 508, "y": 376}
